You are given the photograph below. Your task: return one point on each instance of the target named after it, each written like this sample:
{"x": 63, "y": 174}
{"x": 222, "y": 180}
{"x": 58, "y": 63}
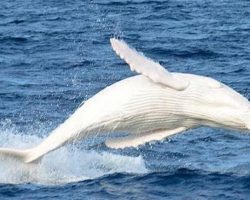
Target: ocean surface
{"x": 56, "y": 54}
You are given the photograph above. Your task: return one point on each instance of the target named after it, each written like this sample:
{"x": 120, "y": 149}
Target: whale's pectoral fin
{"x": 134, "y": 141}
{"x": 143, "y": 65}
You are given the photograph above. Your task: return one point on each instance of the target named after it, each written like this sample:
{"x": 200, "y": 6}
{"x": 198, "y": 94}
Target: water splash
{"x": 67, "y": 164}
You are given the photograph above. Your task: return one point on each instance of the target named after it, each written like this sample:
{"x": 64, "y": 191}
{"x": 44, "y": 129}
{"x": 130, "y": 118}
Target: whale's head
{"x": 229, "y": 109}
{"x": 218, "y": 105}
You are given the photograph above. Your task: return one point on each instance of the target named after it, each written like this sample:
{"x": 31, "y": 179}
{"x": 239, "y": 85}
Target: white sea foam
{"x": 64, "y": 165}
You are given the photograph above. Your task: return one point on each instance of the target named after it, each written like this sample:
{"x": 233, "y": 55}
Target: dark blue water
{"x": 56, "y": 54}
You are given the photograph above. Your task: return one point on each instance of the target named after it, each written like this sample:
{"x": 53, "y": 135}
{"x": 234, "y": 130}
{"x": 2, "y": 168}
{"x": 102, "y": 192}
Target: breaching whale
{"x": 150, "y": 106}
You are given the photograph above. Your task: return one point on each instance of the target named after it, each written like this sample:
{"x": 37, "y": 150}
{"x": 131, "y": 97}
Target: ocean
{"x": 54, "y": 55}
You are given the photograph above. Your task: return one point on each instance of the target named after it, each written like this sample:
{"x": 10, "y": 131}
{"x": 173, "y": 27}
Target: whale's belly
{"x": 135, "y": 105}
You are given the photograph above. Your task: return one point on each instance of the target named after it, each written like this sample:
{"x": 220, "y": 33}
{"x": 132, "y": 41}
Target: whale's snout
{"x": 248, "y": 126}
{"x": 246, "y": 119}
{"x": 242, "y": 118}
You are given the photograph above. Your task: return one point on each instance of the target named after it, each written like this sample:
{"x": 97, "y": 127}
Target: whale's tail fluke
{"x": 64, "y": 133}
{"x": 35, "y": 154}
{"x": 17, "y": 154}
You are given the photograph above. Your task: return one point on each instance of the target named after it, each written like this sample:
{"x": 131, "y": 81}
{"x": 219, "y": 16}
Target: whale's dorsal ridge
{"x": 147, "y": 67}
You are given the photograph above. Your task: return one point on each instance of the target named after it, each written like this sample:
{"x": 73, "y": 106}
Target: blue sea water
{"x": 56, "y": 54}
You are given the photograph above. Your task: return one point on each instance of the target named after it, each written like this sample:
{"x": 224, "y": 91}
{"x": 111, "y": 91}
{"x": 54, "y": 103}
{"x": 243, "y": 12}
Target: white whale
{"x": 150, "y": 106}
